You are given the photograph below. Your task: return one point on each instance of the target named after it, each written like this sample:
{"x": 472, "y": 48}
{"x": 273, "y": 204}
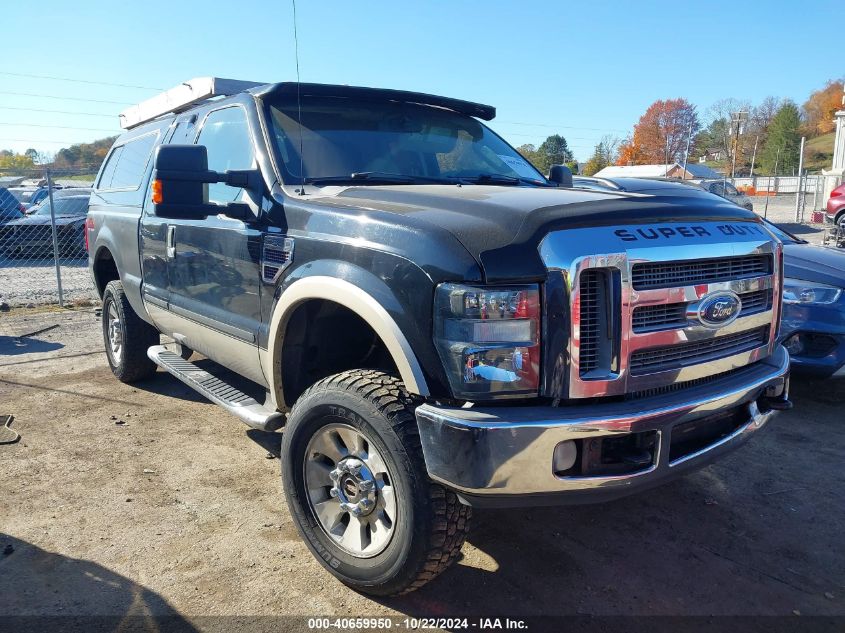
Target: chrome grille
{"x": 671, "y": 357}
{"x": 674, "y": 315}
{"x": 660, "y": 316}
{"x": 703, "y": 271}
{"x": 754, "y": 302}
{"x": 637, "y": 333}
{"x": 592, "y": 287}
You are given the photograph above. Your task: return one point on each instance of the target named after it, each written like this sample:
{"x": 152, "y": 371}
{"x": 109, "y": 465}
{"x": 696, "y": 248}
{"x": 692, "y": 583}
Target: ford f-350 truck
{"x": 431, "y": 323}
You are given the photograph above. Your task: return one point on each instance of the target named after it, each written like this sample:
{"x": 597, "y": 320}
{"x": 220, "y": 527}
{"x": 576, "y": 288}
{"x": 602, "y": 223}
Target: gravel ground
{"x": 147, "y": 500}
{"x": 27, "y": 281}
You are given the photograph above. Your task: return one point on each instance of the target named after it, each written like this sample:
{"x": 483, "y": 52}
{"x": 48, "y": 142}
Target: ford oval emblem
{"x": 718, "y": 309}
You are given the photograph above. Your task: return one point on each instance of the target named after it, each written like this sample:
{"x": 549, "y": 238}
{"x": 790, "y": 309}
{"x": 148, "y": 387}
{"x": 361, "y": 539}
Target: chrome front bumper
{"x": 503, "y": 455}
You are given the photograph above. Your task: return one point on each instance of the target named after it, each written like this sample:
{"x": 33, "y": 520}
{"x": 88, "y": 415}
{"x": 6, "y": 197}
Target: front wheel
{"x": 358, "y": 490}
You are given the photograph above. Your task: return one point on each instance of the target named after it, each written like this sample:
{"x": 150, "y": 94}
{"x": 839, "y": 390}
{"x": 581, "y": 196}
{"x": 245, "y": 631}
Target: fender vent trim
{"x": 276, "y": 255}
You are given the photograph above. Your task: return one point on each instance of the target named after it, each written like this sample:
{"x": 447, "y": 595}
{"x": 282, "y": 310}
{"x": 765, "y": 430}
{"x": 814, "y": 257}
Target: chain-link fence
{"x": 43, "y": 255}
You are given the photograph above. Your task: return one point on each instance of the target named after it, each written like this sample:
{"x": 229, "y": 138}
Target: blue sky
{"x": 580, "y": 69}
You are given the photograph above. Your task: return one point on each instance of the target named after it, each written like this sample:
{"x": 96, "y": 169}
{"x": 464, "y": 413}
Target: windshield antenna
{"x": 298, "y": 104}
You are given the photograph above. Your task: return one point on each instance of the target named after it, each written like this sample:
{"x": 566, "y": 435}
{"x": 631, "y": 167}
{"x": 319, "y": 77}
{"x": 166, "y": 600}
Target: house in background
{"x": 672, "y": 170}
{"x": 712, "y": 155}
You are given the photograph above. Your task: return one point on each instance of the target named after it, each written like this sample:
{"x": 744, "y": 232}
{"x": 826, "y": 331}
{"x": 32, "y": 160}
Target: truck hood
{"x": 501, "y": 227}
{"x": 822, "y": 264}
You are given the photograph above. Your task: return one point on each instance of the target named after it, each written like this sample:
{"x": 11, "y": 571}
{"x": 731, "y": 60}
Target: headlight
{"x": 801, "y": 292}
{"x": 489, "y": 339}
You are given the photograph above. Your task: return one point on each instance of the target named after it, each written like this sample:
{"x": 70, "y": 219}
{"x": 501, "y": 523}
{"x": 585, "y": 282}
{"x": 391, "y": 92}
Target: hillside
{"x": 818, "y": 152}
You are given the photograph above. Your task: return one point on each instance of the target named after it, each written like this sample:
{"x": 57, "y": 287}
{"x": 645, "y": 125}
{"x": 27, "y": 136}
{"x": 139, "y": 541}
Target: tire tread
{"x": 139, "y": 336}
{"x": 451, "y": 519}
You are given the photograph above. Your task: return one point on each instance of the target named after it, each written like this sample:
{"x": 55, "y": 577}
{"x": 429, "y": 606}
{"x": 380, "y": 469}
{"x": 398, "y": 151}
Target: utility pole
{"x": 686, "y": 153}
{"x": 737, "y": 119}
{"x": 799, "y": 208}
{"x": 754, "y": 155}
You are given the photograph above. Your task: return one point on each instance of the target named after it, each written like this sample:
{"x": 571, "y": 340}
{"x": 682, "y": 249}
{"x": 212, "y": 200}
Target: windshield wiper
{"x": 373, "y": 177}
{"x": 502, "y": 179}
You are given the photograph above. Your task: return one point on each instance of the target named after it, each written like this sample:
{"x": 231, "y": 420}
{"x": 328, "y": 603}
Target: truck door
{"x": 213, "y": 264}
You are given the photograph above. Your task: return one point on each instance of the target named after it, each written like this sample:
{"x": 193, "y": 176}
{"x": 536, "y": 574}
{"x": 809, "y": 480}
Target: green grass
{"x": 818, "y": 152}
{"x": 77, "y": 177}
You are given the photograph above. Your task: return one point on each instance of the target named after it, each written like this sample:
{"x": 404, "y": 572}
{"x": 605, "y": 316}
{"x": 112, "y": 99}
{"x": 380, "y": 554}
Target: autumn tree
{"x": 13, "y": 161}
{"x": 660, "y": 136}
{"x": 820, "y": 107}
{"x": 783, "y": 141}
{"x": 84, "y": 156}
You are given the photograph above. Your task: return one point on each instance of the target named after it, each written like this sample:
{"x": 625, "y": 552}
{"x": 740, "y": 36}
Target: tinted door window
{"x": 225, "y": 135}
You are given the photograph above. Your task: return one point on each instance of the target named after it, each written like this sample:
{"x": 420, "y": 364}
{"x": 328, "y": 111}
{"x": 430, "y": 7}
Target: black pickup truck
{"x": 431, "y": 322}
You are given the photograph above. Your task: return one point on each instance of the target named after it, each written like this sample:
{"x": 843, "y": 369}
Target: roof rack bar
{"x": 485, "y": 112}
{"x": 181, "y": 98}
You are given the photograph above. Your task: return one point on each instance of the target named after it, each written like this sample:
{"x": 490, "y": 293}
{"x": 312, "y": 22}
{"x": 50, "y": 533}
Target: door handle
{"x": 171, "y": 241}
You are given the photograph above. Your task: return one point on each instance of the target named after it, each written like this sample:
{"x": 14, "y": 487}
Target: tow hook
{"x": 776, "y": 398}
{"x": 776, "y": 404}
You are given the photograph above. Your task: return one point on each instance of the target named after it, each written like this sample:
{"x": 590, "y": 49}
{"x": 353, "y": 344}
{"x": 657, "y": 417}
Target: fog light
{"x": 564, "y": 456}
{"x": 794, "y": 345}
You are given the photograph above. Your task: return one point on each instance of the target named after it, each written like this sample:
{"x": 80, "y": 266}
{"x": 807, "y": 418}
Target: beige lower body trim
{"x": 361, "y": 303}
{"x": 234, "y": 354}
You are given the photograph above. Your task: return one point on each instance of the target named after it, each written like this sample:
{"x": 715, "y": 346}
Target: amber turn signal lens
{"x": 158, "y": 196}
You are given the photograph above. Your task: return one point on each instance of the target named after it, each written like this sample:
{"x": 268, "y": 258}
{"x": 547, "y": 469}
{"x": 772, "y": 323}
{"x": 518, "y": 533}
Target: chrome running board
{"x": 236, "y": 402}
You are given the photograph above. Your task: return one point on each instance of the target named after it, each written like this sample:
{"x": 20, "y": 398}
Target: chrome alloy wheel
{"x": 115, "y": 334}
{"x": 350, "y": 490}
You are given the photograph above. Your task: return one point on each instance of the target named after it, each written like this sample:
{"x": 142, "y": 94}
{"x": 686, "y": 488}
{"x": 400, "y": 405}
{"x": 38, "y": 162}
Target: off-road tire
{"x": 138, "y": 336}
{"x": 432, "y": 522}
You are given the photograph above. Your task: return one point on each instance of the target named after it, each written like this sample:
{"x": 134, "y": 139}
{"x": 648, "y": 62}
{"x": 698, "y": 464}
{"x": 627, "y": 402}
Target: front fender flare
{"x": 357, "y": 300}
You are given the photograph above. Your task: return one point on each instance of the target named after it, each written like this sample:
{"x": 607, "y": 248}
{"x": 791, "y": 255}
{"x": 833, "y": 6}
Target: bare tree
{"x": 722, "y": 117}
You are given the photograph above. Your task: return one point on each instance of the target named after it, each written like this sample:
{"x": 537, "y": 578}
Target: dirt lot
{"x": 148, "y": 500}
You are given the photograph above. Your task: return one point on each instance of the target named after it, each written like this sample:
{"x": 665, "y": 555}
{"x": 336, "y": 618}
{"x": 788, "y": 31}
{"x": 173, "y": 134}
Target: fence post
{"x": 798, "y": 206}
{"x": 55, "y": 239}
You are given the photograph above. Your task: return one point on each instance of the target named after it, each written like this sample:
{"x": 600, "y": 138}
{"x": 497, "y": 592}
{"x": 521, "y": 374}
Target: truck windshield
{"x": 343, "y": 140}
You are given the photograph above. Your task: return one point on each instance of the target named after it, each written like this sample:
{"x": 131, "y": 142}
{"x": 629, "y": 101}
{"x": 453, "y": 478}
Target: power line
{"x": 56, "y": 111}
{"x": 32, "y": 140}
{"x": 564, "y": 127}
{"x": 63, "y": 127}
{"x": 43, "y": 96}
{"x": 78, "y": 81}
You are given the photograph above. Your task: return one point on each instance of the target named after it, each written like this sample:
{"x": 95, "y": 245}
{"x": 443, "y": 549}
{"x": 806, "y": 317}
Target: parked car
{"x": 29, "y": 196}
{"x": 726, "y": 190}
{"x": 10, "y": 207}
{"x": 32, "y": 236}
{"x": 835, "y": 206}
{"x": 435, "y": 324}
{"x": 813, "y": 322}
{"x": 10, "y": 210}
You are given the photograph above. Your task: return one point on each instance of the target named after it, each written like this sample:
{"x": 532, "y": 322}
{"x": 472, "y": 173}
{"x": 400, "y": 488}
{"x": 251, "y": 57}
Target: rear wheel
{"x": 127, "y": 336}
{"x": 357, "y": 488}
